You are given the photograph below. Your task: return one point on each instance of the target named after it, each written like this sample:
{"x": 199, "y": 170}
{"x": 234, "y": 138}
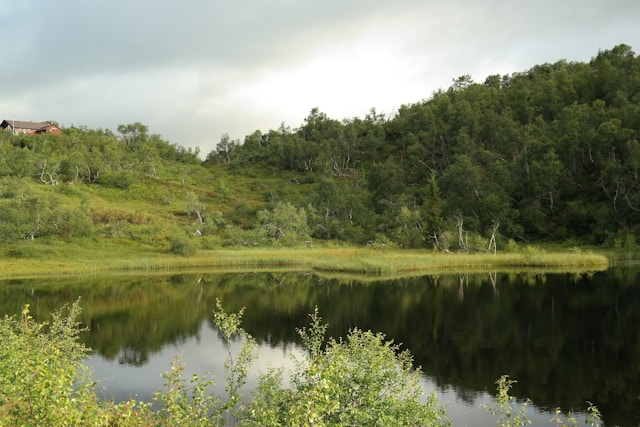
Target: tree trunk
{"x": 492, "y": 241}
{"x": 462, "y": 242}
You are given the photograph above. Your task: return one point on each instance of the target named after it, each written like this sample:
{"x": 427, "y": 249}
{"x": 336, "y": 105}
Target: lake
{"x": 567, "y": 338}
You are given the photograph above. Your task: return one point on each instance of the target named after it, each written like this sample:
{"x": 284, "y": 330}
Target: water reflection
{"x": 566, "y": 338}
{"x": 203, "y": 353}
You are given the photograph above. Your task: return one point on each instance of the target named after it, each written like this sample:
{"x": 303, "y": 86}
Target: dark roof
{"x": 17, "y": 124}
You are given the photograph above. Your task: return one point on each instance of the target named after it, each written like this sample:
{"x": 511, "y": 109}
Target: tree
{"x": 546, "y": 175}
{"x": 464, "y": 188}
{"x": 408, "y": 231}
{"x": 461, "y": 83}
{"x": 150, "y": 160}
{"x": 385, "y": 182}
{"x": 194, "y": 205}
{"x": 340, "y": 211}
{"x": 432, "y": 209}
{"x": 133, "y": 134}
{"x": 284, "y": 223}
{"x": 226, "y": 150}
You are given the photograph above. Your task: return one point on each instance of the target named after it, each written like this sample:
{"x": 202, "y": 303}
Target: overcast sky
{"x": 193, "y": 70}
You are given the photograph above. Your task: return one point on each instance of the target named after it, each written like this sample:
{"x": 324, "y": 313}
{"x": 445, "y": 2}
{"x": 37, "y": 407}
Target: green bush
{"x": 42, "y": 378}
{"x": 191, "y": 403}
{"x": 119, "y": 180}
{"x": 184, "y": 246}
{"x": 506, "y": 415}
{"x": 363, "y": 380}
{"x": 284, "y": 224}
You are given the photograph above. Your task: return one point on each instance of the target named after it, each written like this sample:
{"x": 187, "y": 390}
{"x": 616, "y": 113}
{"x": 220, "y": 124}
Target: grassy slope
{"x": 154, "y": 209}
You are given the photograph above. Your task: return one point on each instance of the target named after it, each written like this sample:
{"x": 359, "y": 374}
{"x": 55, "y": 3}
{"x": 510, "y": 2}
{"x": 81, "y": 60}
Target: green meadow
{"x": 64, "y": 258}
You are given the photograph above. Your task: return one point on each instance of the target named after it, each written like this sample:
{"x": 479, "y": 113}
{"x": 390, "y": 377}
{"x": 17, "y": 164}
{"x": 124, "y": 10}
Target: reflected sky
{"x": 206, "y": 352}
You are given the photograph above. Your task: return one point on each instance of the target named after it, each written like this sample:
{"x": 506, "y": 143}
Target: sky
{"x": 193, "y": 70}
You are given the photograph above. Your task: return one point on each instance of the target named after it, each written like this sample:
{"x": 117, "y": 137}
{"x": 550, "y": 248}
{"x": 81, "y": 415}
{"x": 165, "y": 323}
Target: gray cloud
{"x": 195, "y": 69}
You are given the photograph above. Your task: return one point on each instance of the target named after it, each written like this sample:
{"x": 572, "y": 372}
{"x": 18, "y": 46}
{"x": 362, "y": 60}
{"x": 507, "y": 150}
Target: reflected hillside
{"x": 566, "y": 338}
{"x": 128, "y": 318}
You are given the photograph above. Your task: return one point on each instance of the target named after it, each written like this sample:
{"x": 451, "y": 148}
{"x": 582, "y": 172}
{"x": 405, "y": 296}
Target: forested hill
{"x": 548, "y": 154}
{"x": 551, "y": 153}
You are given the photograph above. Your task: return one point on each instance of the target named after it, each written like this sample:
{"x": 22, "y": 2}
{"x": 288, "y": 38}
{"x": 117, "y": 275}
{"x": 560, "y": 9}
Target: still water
{"x": 566, "y": 338}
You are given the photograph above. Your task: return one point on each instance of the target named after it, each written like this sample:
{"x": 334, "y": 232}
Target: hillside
{"x": 551, "y": 154}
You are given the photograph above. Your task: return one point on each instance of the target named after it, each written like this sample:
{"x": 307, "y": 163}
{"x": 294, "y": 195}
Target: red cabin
{"x": 30, "y": 128}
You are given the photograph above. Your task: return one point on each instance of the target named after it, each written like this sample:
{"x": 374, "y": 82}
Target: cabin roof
{"x": 18, "y": 124}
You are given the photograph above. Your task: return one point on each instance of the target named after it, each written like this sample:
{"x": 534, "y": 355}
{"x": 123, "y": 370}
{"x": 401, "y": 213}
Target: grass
{"x": 60, "y": 258}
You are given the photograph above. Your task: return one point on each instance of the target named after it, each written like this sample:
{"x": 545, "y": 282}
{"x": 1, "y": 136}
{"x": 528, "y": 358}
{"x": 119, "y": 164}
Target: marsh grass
{"x": 87, "y": 257}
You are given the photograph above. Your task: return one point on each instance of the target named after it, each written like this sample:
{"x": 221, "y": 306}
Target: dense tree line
{"x": 552, "y": 153}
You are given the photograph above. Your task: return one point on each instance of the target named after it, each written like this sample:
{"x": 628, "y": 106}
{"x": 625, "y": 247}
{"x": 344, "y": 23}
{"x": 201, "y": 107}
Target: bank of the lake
{"x": 61, "y": 258}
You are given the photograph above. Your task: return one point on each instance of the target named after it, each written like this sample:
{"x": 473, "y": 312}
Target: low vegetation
{"x": 363, "y": 379}
{"x": 64, "y": 258}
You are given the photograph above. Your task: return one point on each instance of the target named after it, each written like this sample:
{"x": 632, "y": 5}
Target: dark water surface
{"x": 566, "y": 338}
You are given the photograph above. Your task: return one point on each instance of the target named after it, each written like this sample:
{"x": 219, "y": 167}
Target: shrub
{"x": 42, "y": 378}
{"x": 506, "y": 415}
{"x": 191, "y": 403}
{"x": 236, "y": 236}
{"x": 119, "y": 180}
{"x": 512, "y": 246}
{"x": 284, "y": 224}
{"x": 363, "y": 380}
{"x": 184, "y": 246}
{"x": 504, "y": 411}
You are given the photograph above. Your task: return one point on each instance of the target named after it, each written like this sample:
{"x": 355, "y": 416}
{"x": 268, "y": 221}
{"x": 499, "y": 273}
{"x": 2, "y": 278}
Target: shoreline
{"x": 322, "y": 260}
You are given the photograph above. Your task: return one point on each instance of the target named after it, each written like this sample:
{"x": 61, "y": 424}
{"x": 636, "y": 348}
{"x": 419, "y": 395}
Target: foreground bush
{"x": 362, "y": 380}
{"x": 39, "y": 365}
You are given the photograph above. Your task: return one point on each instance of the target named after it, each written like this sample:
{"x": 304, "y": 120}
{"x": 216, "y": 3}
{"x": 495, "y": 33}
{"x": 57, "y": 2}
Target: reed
{"x": 65, "y": 259}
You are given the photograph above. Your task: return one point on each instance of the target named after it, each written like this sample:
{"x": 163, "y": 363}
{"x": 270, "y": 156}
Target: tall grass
{"x": 59, "y": 258}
